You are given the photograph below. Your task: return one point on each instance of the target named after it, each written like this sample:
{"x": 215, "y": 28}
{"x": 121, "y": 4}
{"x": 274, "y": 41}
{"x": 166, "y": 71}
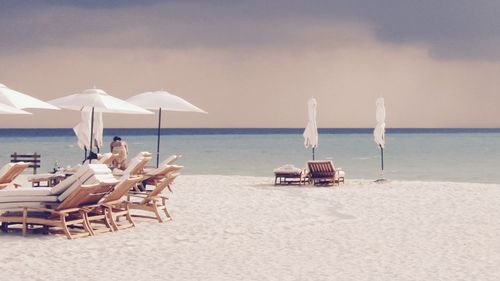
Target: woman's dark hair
{"x": 117, "y": 138}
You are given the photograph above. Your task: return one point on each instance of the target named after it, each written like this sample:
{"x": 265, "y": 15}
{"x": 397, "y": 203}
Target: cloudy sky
{"x": 255, "y": 63}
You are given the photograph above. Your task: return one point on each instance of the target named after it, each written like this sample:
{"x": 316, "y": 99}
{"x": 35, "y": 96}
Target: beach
{"x": 245, "y": 228}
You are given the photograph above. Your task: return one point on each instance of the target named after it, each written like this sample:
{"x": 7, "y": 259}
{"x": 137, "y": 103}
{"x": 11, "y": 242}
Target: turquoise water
{"x": 411, "y": 154}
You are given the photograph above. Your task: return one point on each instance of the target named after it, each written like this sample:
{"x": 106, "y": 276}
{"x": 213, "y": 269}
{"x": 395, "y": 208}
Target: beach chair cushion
{"x": 288, "y": 169}
{"x": 16, "y": 205}
{"x": 66, "y": 183}
{"x": 39, "y": 191}
{"x": 91, "y": 174}
{"x": 33, "y": 198}
{"x": 82, "y": 174}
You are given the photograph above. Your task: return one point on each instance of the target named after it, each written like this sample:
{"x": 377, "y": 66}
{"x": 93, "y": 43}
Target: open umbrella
{"x": 379, "y": 131}
{"x": 5, "y": 109}
{"x": 96, "y": 100}
{"x": 20, "y": 100}
{"x": 311, "y": 132}
{"x": 162, "y": 100}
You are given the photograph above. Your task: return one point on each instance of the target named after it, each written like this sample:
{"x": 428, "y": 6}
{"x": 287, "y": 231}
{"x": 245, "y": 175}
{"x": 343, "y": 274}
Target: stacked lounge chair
{"x": 61, "y": 206}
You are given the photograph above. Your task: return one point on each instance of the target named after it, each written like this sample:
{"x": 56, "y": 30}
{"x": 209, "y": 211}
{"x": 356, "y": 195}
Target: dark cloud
{"x": 450, "y": 28}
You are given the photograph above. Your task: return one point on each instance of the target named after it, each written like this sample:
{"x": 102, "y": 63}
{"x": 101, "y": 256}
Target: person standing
{"x": 120, "y": 147}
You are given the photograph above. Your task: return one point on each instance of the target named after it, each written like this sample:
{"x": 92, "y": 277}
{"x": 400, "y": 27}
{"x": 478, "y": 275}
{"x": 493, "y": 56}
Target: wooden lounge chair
{"x": 322, "y": 172}
{"x": 170, "y": 160}
{"x": 10, "y": 171}
{"x": 154, "y": 176}
{"x": 58, "y": 206}
{"x": 107, "y": 158}
{"x": 152, "y": 201}
{"x": 67, "y": 215}
{"x": 136, "y": 167}
{"x": 113, "y": 207}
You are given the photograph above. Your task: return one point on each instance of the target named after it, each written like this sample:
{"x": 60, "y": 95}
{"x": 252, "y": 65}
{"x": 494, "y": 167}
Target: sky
{"x": 256, "y": 63}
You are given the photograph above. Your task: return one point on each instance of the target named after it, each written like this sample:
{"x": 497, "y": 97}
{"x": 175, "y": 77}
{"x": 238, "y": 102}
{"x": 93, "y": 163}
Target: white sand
{"x": 244, "y": 228}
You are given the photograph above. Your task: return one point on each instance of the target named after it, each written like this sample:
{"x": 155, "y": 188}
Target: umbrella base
{"x": 381, "y": 180}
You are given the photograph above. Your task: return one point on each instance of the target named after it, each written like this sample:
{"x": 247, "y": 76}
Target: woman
{"x": 118, "y": 146}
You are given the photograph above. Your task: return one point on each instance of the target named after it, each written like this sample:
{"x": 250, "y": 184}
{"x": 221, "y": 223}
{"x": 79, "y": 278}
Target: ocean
{"x": 458, "y": 155}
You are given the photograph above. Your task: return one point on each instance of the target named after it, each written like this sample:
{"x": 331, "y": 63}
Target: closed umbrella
{"x": 311, "y": 132}
{"x": 82, "y": 130}
{"x": 162, "y": 100}
{"x": 379, "y": 131}
{"x": 96, "y": 100}
{"x": 19, "y": 100}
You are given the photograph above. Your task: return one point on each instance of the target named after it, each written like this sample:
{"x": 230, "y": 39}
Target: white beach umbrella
{"x": 311, "y": 132}
{"x": 379, "y": 131}
{"x": 5, "y": 109}
{"x": 20, "y": 100}
{"x": 162, "y": 100}
{"x": 96, "y": 100}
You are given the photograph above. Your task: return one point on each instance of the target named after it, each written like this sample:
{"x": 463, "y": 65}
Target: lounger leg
{"x": 129, "y": 217}
{"x": 25, "y": 218}
{"x": 155, "y": 210}
{"x": 65, "y": 226}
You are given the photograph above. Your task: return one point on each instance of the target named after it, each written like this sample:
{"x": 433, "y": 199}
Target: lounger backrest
{"x": 160, "y": 187}
{"x": 86, "y": 195}
{"x": 163, "y": 170}
{"x": 171, "y": 159}
{"x": 107, "y": 158}
{"x": 321, "y": 168}
{"x": 122, "y": 188}
{"x": 11, "y": 170}
{"x": 83, "y": 174}
{"x": 88, "y": 174}
{"x": 137, "y": 168}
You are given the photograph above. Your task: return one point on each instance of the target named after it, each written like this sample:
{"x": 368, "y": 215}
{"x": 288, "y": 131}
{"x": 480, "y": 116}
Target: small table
{"x": 49, "y": 179}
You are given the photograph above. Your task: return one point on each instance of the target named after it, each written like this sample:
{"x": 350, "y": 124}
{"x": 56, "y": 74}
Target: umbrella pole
{"x": 382, "y": 157}
{"x": 91, "y": 132}
{"x": 382, "y": 160}
{"x": 158, "y": 141}
{"x": 313, "y": 153}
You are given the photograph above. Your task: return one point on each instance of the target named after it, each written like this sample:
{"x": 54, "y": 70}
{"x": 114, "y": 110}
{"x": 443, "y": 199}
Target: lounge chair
{"x": 152, "y": 201}
{"x": 107, "y": 158}
{"x": 10, "y": 171}
{"x": 323, "y": 172}
{"x": 288, "y": 174}
{"x": 134, "y": 167}
{"x": 170, "y": 160}
{"x": 60, "y": 206}
{"x": 113, "y": 207}
{"x": 154, "y": 176}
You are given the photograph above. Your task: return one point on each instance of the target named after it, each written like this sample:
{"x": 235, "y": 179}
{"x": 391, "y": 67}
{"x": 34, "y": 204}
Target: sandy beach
{"x": 244, "y": 228}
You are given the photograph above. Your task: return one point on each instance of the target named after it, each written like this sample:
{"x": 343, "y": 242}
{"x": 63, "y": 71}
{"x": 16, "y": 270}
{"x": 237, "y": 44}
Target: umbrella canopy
{"x": 100, "y": 101}
{"x": 5, "y": 109}
{"x": 20, "y": 100}
{"x": 162, "y": 100}
{"x": 96, "y": 100}
{"x": 311, "y": 132}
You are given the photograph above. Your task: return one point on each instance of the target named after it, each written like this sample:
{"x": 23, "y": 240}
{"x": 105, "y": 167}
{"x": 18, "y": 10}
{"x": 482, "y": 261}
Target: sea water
{"x": 461, "y": 155}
